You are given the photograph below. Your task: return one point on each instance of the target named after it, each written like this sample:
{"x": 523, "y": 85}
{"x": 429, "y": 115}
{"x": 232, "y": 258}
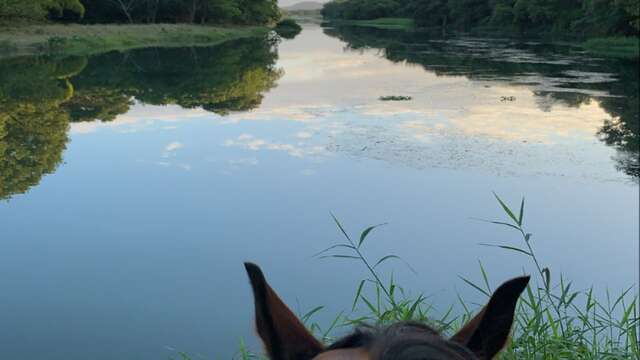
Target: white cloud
{"x": 173, "y": 146}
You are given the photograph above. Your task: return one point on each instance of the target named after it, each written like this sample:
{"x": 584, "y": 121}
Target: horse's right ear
{"x": 487, "y": 333}
{"x": 283, "y": 335}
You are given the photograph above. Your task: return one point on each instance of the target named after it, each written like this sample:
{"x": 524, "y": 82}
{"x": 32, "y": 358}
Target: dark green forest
{"x": 586, "y": 18}
{"x": 254, "y": 12}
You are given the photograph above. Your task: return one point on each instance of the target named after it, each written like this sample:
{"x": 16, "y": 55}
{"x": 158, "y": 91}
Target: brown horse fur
{"x": 286, "y": 338}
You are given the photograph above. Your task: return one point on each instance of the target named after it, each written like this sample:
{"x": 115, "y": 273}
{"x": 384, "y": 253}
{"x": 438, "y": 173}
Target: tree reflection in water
{"x": 40, "y": 96}
{"x": 549, "y": 69}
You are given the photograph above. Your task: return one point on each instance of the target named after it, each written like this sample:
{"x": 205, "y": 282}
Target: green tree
{"x": 38, "y": 9}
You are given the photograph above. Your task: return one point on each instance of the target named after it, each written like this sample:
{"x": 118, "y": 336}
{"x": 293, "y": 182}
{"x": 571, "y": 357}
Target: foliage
{"x": 178, "y": 11}
{"x": 616, "y": 47}
{"x": 361, "y": 9}
{"x": 384, "y": 23}
{"x": 143, "y": 11}
{"x": 580, "y": 17}
{"x": 77, "y": 39}
{"x": 553, "y": 321}
{"x": 38, "y": 9}
{"x": 288, "y": 28}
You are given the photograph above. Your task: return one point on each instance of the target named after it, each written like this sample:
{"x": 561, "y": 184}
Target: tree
{"x": 126, "y": 6}
{"x": 38, "y": 9}
{"x": 432, "y": 13}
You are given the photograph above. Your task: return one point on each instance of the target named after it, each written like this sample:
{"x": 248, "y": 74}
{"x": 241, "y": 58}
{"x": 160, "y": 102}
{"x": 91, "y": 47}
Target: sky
{"x": 291, "y": 2}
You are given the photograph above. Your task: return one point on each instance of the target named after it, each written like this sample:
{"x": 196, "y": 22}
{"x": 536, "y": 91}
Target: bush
{"x": 288, "y": 28}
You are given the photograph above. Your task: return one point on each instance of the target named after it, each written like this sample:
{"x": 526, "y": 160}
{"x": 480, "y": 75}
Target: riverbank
{"x": 382, "y": 23}
{"x": 75, "y": 39}
{"x": 614, "y": 47}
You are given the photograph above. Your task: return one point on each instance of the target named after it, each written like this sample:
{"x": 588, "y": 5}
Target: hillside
{"x": 304, "y": 6}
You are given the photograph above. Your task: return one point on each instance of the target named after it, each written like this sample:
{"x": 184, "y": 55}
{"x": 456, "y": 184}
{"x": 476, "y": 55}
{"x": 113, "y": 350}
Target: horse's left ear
{"x": 487, "y": 333}
{"x": 283, "y": 335}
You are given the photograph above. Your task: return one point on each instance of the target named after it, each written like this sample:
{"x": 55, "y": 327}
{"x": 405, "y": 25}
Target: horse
{"x": 481, "y": 338}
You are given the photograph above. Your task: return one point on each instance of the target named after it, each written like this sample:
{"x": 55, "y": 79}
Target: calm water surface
{"x": 133, "y": 185}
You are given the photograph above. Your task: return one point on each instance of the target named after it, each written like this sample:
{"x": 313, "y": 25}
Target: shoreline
{"x": 617, "y": 47}
{"x": 74, "y": 39}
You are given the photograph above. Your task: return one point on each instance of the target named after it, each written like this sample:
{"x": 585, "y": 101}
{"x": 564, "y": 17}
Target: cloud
{"x": 243, "y": 162}
{"x": 250, "y": 142}
{"x": 173, "y": 146}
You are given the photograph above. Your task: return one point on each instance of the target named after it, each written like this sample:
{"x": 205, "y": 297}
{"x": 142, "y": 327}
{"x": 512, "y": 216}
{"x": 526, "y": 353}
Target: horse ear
{"x": 283, "y": 335}
{"x": 487, "y": 333}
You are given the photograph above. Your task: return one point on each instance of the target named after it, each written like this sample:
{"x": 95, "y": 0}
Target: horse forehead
{"x": 344, "y": 354}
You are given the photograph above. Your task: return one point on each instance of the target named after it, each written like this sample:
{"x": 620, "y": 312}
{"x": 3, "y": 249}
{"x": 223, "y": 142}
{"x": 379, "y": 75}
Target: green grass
{"x": 553, "y": 321}
{"x": 616, "y": 47}
{"x": 383, "y": 23}
{"x": 74, "y": 39}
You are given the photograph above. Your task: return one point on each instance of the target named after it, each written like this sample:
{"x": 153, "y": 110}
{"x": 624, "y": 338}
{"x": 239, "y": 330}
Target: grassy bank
{"x": 383, "y": 23}
{"x": 77, "y": 39}
{"x": 617, "y": 47}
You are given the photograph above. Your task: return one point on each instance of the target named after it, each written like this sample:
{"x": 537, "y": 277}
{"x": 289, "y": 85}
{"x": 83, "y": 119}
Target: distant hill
{"x": 304, "y": 6}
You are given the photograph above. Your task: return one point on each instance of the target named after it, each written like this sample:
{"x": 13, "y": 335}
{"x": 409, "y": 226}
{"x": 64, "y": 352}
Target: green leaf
{"x": 342, "y": 229}
{"x": 413, "y": 308}
{"x": 355, "y": 299}
{"x": 370, "y": 306}
{"x": 498, "y": 223}
{"x": 484, "y": 276}
{"x": 507, "y": 247}
{"x": 308, "y": 315}
{"x": 521, "y": 212}
{"x": 340, "y": 256}
{"x": 385, "y": 258}
{"x": 475, "y": 286}
{"x": 334, "y": 247}
{"x": 506, "y": 208}
{"x": 547, "y": 278}
{"x": 366, "y": 232}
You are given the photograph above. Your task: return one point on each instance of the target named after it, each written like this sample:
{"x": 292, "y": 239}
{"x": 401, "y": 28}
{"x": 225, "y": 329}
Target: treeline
{"x": 579, "y": 17}
{"x": 141, "y": 11}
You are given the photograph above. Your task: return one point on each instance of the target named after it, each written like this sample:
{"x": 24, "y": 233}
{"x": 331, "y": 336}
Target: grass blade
{"x": 366, "y": 232}
{"x": 475, "y": 286}
{"x": 506, "y": 209}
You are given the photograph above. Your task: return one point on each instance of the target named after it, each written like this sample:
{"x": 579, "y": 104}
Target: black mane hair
{"x": 407, "y": 340}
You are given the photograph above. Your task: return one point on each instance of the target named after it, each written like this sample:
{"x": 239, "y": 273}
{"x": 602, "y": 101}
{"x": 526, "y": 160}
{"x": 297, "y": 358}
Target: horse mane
{"x": 404, "y": 340}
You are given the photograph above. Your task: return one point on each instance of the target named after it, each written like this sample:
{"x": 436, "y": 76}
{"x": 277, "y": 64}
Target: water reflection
{"x": 162, "y": 203}
{"x": 40, "y": 96}
{"x": 549, "y": 71}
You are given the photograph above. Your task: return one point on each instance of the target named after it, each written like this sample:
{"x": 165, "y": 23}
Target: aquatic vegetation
{"x": 614, "y": 47}
{"x": 395, "y": 98}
